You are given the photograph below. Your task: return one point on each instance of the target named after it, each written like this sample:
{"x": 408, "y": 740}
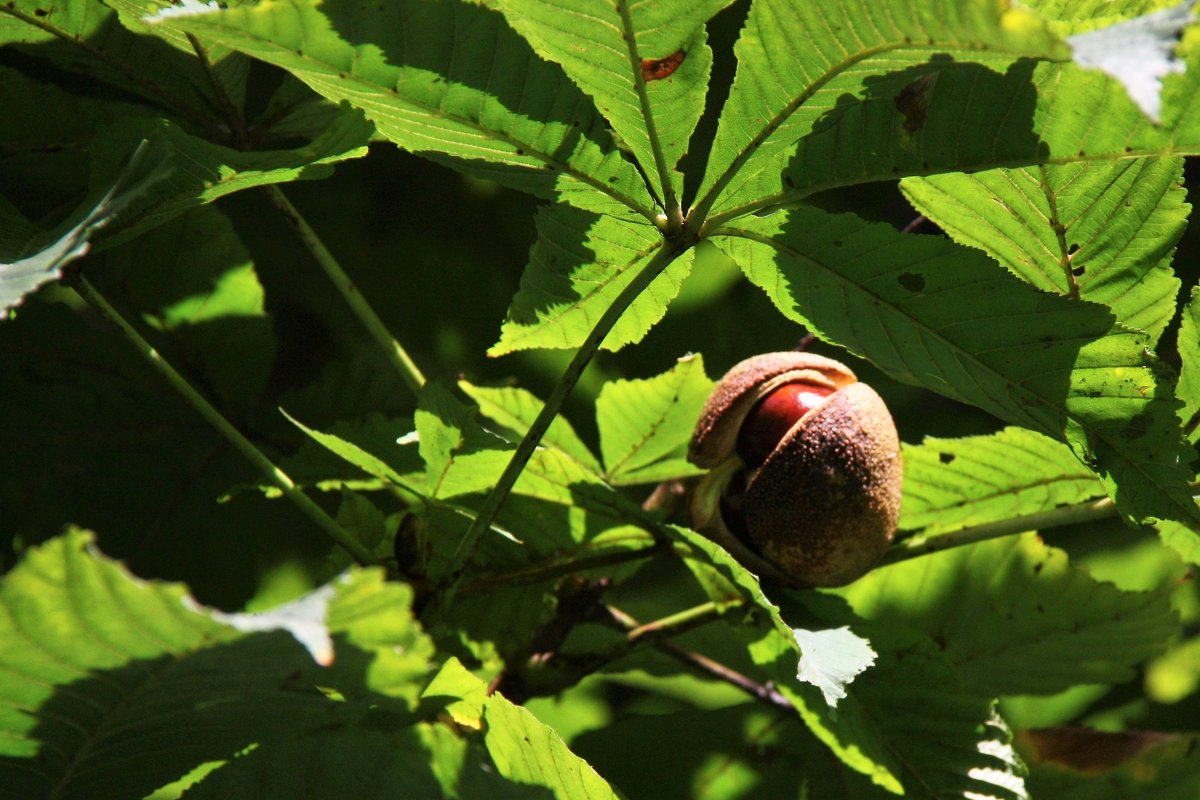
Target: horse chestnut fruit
{"x": 805, "y": 467}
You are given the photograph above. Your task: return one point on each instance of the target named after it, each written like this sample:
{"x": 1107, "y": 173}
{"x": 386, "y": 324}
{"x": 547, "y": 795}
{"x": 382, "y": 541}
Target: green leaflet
{"x": 956, "y": 483}
{"x": 789, "y": 86}
{"x": 645, "y": 425}
{"x": 203, "y": 171}
{"x": 645, "y": 64}
{"x": 1102, "y": 231}
{"x": 1189, "y": 374}
{"x": 36, "y": 258}
{"x": 577, "y": 267}
{"x": 460, "y": 456}
{"x": 466, "y": 91}
{"x": 1014, "y": 617}
{"x": 529, "y": 753}
{"x": 103, "y": 670}
{"x": 1056, "y": 366}
{"x": 515, "y": 409}
{"x": 194, "y": 278}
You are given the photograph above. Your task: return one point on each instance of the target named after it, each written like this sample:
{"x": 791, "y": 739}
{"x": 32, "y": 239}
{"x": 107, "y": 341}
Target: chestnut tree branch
{"x": 272, "y": 473}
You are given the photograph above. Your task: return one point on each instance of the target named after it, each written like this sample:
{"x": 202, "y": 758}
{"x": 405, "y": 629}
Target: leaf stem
{"x": 670, "y": 625}
{"x": 276, "y": 476}
{"x": 762, "y": 692}
{"x": 524, "y": 451}
{"x": 396, "y": 354}
{"x": 227, "y": 105}
{"x": 920, "y": 545}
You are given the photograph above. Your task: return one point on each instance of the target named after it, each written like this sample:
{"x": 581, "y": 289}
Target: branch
{"x": 273, "y": 474}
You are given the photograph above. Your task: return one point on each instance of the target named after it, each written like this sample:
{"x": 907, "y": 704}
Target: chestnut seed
{"x": 806, "y": 470}
{"x": 770, "y": 420}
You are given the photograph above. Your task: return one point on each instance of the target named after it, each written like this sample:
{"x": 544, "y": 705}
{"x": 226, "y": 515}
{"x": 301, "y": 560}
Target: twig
{"x": 760, "y": 691}
{"x": 273, "y": 474}
{"x": 396, "y": 354}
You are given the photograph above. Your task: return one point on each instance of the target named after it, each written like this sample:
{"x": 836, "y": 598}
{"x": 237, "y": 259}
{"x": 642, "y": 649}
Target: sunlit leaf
{"x": 645, "y": 425}
{"x": 577, "y": 267}
{"x": 1102, "y": 231}
{"x": 1015, "y": 618}
{"x": 467, "y": 91}
{"x": 1056, "y": 366}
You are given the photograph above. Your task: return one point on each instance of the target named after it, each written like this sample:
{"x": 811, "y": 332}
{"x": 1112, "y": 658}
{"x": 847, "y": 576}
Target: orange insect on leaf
{"x": 655, "y": 69}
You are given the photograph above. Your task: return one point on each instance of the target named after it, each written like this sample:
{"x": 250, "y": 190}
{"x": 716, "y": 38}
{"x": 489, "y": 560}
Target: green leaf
{"x": 956, "y": 483}
{"x": 350, "y": 451}
{"x": 103, "y": 670}
{"x": 39, "y": 262}
{"x": 1102, "y": 231}
{"x": 1050, "y": 626}
{"x": 531, "y": 754}
{"x": 1056, "y": 366}
{"x": 194, "y": 279}
{"x": 468, "y": 91}
{"x": 88, "y": 37}
{"x": 468, "y": 693}
{"x": 788, "y": 86}
{"x": 645, "y": 425}
{"x": 1139, "y": 53}
{"x": 616, "y": 52}
{"x": 1189, "y": 374}
{"x": 460, "y": 456}
{"x": 515, "y": 409}
{"x": 951, "y": 115}
{"x": 204, "y": 171}
{"x": 577, "y": 267}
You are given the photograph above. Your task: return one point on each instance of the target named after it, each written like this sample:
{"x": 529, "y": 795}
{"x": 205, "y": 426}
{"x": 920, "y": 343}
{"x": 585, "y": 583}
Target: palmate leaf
{"x": 446, "y": 80}
{"x": 645, "y": 425}
{"x": 954, "y": 483}
{"x": 1101, "y": 231}
{"x": 958, "y": 115}
{"x": 579, "y": 264}
{"x": 949, "y": 319}
{"x": 645, "y": 64}
{"x": 104, "y": 670}
{"x": 1014, "y": 617}
{"x": 800, "y": 64}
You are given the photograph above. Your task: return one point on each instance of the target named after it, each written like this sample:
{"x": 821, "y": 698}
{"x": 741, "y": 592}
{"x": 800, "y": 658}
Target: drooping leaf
{"x": 203, "y": 171}
{"x": 38, "y": 262}
{"x": 352, "y": 446}
{"x": 467, "y": 91}
{"x": 789, "y": 85}
{"x": 531, "y": 754}
{"x": 516, "y": 409}
{"x": 577, "y": 267}
{"x": 645, "y": 425}
{"x": 104, "y": 670}
{"x": 955, "y": 483}
{"x": 1014, "y": 617}
{"x": 645, "y": 64}
{"x": 1101, "y": 231}
{"x": 1056, "y": 366}
{"x": 1139, "y": 53}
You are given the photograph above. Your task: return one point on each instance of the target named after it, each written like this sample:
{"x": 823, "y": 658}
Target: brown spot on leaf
{"x": 655, "y": 69}
{"x": 1088, "y": 751}
{"x": 913, "y": 102}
